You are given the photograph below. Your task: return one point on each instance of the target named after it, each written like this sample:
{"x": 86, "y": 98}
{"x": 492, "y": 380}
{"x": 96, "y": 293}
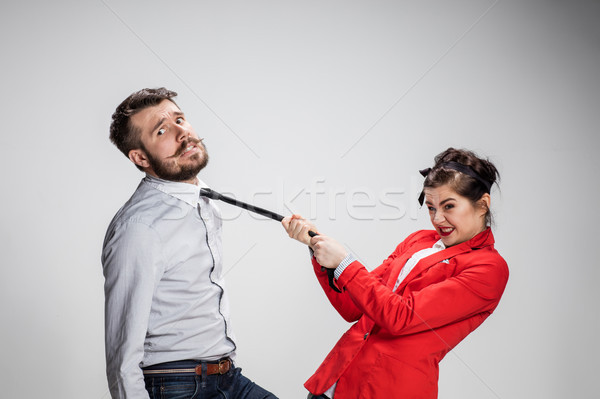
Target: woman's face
{"x": 453, "y": 216}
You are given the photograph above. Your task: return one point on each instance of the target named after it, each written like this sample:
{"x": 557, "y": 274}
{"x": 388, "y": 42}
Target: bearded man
{"x": 167, "y": 328}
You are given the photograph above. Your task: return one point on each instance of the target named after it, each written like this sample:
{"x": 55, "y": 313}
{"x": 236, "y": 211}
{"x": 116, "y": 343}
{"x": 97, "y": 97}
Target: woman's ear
{"x": 484, "y": 203}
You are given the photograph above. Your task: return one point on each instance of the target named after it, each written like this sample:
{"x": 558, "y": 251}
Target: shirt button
{"x": 366, "y": 335}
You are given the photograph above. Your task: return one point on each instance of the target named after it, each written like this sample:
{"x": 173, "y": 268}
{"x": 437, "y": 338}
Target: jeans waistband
{"x": 220, "y": 366}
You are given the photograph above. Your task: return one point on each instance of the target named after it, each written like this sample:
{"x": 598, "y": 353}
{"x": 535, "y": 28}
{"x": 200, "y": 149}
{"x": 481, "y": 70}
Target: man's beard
{"x": 170, "y": 170}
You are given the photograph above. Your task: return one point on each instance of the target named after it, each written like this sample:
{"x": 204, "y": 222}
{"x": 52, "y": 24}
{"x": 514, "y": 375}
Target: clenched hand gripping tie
{"x": 207, "y": 192}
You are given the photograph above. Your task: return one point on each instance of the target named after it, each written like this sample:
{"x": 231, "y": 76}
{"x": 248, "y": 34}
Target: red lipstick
{"x": 445, "y": 231}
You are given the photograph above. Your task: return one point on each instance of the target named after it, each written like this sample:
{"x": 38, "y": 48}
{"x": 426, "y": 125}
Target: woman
{"x": 428, "y": 295}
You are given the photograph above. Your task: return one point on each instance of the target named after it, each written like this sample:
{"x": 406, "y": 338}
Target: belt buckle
{"x": 224, "y": 365}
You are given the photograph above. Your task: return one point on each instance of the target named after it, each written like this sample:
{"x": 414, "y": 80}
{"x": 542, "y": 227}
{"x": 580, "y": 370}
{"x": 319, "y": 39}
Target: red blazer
{"x": 394, "y": 349}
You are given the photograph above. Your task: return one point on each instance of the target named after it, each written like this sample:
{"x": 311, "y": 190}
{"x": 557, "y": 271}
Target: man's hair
{"x": 122, "y": 133}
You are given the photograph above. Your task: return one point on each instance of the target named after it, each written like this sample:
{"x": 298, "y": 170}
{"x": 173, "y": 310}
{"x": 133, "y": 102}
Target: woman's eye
{"x": 449, "y": 206}
{"x": 431, "y": 209}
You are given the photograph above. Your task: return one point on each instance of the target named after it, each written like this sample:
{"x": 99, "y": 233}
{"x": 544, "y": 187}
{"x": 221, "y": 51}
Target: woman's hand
{"x": 297, "y": 228}
{"x": 328, "y": 252}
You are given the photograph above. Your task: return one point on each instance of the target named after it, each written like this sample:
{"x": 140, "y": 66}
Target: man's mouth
{"x": 187, "y": 148}
{"x": 445, "y": 231}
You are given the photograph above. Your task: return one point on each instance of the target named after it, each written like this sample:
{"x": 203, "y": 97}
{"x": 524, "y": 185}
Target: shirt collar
{"x": 186, "y": 192}
{"x": 439, "y": 245}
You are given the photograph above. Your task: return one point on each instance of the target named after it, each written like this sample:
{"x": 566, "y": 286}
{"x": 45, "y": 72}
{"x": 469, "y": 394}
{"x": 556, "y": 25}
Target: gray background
{"x": 325, "y": 108}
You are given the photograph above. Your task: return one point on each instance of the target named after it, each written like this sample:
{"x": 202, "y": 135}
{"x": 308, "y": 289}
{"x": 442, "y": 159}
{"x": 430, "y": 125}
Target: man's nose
{"x": 182, "y": 133}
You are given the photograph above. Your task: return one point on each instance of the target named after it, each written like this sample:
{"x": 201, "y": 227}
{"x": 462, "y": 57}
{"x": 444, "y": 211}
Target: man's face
{"x": 170, "y": 149}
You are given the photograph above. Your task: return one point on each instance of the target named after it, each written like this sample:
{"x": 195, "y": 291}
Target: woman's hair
{"x": 466, "y": 173}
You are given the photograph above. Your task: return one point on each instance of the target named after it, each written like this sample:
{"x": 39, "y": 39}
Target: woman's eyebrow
{"x": 446, "y": 200}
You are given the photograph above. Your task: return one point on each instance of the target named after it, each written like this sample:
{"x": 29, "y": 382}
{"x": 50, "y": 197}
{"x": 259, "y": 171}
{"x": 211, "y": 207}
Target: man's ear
{"x": 138, "y": 157}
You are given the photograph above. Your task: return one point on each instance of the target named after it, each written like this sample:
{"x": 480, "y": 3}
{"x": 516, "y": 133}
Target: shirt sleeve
{"x": 133, "y": 264}
{"x": 343, "y": 265}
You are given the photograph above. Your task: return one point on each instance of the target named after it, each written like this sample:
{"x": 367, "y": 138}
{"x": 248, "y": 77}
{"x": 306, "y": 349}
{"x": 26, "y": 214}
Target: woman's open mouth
{"x": 445, "y": 231}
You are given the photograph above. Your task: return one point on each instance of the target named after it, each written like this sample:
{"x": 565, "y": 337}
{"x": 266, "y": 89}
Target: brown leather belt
{"x": 222, "y": 367}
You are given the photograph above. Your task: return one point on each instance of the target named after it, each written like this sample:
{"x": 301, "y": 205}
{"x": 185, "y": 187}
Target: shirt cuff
{"x": 343, "y": 265}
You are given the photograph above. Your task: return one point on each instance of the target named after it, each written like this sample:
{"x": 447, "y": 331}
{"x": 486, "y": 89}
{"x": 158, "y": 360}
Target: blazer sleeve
{"x": 343, "y": 302}
{"x": 475, "y": 289}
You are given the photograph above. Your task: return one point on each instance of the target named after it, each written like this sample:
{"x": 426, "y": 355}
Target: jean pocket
{"x": 178, "y": 388}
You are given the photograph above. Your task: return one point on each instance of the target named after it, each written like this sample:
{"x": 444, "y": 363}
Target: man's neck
{"x": 193, "y": 181}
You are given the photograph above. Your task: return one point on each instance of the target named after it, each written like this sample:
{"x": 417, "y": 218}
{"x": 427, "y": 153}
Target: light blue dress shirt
{"x": 164, "y": 288}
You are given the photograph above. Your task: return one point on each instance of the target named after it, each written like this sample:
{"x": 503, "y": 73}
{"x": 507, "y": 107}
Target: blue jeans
{"x": 232, "y": 385}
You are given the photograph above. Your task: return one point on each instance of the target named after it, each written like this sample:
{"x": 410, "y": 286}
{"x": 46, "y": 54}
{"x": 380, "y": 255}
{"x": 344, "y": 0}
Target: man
{"x": 167, "y": 315}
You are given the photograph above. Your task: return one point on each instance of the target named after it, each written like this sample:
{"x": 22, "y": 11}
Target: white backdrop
{"x": 325, "y": 108}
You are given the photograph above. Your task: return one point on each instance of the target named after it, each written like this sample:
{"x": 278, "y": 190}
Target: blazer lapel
{"x": 431, "y": 260}
{"x": 481, "y": 240}
{"x": 401, "y": 261}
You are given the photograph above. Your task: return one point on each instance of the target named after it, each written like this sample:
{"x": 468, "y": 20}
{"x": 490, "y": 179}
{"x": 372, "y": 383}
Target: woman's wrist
{"x": 343, "y": 265}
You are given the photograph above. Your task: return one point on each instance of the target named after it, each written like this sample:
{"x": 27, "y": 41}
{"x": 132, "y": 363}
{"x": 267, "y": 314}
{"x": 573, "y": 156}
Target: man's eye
{"x": 431, "y": 209}
{"x": 161, "y": 131}
{"x": 179, "y": 120}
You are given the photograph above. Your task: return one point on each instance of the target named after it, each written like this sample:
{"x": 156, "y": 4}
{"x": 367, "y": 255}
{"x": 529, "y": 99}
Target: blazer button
{"x": 366, "y": 335}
